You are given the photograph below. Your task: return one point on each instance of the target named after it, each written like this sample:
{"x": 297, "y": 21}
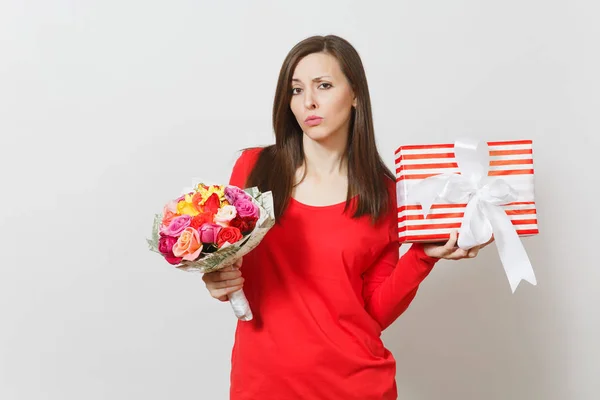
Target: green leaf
{"x": 153, "y": 241}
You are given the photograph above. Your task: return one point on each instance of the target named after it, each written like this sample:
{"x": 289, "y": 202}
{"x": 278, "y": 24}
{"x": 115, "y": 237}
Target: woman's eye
{"x": 327, "y": 84}
{"x": 294, "y": 90}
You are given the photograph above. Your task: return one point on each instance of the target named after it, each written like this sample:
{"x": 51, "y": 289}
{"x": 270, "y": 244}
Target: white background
{"x": 109, "y": 108}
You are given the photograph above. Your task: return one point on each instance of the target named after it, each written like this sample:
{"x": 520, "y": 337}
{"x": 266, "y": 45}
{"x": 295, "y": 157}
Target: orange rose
{"x": 201, "y": 219}
{"x": 168, "y": 217}
{"x": 188, "y": 245}
{"x": 169, "y": 212}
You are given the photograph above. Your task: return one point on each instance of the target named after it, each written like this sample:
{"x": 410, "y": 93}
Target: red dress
{"x": 322, "y": 287}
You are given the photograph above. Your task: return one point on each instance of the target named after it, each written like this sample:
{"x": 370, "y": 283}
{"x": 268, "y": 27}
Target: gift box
{"x": 508, "y": 162}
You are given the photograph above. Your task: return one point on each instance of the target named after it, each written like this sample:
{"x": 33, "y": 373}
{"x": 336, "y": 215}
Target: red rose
{"x": 251, "y": 221}
{"x": 245, "y": 225}
{"x": 201, "y": 219}
{"x": 212, "y": 204}
{"x": 229, "y": 234}
{"x": 239, "y": 223}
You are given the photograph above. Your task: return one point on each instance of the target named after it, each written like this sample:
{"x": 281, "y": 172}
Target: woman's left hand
{"x": 450, "y": 251}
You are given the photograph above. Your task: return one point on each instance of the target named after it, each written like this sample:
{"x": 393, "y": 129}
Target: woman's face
{"x": 322, "y": 98}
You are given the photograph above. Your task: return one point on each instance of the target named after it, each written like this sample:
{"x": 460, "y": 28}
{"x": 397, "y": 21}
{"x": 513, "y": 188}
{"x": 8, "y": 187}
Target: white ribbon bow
{"x": 483, "y": 215}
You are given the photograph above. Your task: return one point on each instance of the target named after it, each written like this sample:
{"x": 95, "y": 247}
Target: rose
{"x": 225, "y": 214}
{"x": 166, "y": 243}
{"x": 212, "y": 204}
{"x": 201, "y": 219}
{"x": 165, "y": 247}
{"x": 245, "y": 225}
{"x": 233, "y": 193}
{"x": 173, "y": 260}
{"x": 167, "y": 218}
{"x": 251, "y": 221}
{"x": 169, "y": 212}
{"x": 229, "y": 234}
{"x": 246, "y": 208}
{"x": 177, "y": 225}
{"x": 208, "y": 233}
{"x": 188, "y": 245}
{"x": 171, "y": 206}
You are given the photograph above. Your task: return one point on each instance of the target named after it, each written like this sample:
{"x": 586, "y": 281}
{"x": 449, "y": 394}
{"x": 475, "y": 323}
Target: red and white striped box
{"x": 513, "y": 160}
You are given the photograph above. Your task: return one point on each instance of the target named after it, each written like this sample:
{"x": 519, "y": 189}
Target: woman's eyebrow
{"x": 318, "y": 78}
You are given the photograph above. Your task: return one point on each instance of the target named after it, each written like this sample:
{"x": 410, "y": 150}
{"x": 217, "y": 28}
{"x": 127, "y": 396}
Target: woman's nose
{"x": 309, "y": 100}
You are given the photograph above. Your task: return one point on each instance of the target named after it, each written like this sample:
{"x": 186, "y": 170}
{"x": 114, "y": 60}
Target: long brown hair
{"x": 276, "y": 166}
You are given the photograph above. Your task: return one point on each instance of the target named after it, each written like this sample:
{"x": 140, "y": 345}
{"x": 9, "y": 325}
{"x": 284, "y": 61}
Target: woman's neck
{"x": 325, "y": 158}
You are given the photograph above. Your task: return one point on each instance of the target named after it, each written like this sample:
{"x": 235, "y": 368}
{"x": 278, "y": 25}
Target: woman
{"x": 327, "y": 278}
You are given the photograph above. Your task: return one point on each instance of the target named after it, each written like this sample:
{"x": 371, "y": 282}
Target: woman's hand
{"x": 222, "y": 283}
{"x": 450, "y": 251}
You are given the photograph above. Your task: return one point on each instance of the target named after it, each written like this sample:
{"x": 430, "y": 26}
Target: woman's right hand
{"x": 223, "y": 282}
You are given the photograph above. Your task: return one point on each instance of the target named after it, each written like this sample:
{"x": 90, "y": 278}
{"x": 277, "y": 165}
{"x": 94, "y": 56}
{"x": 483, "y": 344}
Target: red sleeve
{"x": 243, "y": 166}
{"x": 391, "y": 283}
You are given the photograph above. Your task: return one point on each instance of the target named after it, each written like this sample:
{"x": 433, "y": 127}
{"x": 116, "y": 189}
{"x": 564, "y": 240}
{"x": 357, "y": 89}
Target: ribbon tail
{"x": 475, "y": 228}
{"x": 510, "y": 248}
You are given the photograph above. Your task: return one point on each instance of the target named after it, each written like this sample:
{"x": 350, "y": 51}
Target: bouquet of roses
{"x": 211, "y": 227}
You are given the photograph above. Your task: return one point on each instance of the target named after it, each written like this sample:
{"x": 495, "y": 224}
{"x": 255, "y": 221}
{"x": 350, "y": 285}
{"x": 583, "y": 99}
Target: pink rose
{"x": 246, "y": 208}
{"x": 233, "y": 194}
{"x": 177, "y": 225}
{"x": 188, "y": 245}
{"x": 208, "y": 233}
{"x": 165, "y": 246}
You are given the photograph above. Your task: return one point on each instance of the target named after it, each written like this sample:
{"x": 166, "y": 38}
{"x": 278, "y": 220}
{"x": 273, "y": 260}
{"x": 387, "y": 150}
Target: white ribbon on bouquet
{"x": 484, "y": 216}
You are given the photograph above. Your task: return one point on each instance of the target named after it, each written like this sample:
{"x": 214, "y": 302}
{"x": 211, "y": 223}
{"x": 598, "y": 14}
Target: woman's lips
{"x": 313, "y": 121}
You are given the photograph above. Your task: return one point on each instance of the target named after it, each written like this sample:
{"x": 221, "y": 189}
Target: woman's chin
{"x": 317, "y": 135}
